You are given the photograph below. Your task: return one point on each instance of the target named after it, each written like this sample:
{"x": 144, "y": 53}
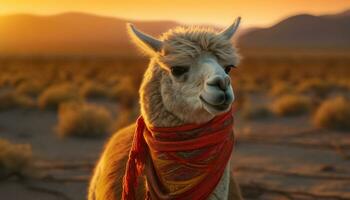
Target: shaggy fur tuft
{"x": 167, "y": 100}
{"x": 184, "y": 43}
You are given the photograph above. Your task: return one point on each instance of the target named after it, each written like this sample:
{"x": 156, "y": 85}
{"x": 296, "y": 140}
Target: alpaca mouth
{"x": 220, "y": 107}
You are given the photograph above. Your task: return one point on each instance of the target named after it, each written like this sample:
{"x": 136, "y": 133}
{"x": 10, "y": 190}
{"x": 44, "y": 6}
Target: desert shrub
{"x": 316, "y": 87}
{"x": 252, "y": 86}
{"x": 125, "y": 117}
{"x": 343, "y": 85}
{"x": 124, "y": 92}
{"x": 3, "y": 81}
{"x": 289, "y": 105}
{"x": 240, "y": 98}
{"x": 23, "y": 101}
{"x": 280, "y": 88}
{"x": 57, "y": 94}
{"x": 333, "y": 114}
{"x": 15, "y": 159}
{"x": 93, "y": 90}
{"x": 14, "y": 80}
{"x": 80, "y": 80}
{"x": 252, "y": 112}
{"x": 113, "y": 80}
{"x": 346, "y": 84}
{"x": 84, "y": 120}
{"x": 32, "y": 88}
{"x": 11, "y": 99}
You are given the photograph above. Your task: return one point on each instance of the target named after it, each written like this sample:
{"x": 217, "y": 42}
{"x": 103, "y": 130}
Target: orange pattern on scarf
{"x": 180, "y": 163}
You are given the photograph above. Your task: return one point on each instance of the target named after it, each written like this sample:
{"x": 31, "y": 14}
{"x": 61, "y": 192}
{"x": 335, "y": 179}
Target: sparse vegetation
{"x": 255, "y": 82}
{"x": 333, "y": 114}
{"x": 291, "y": 105}
{"x": 124, "y": 92}
{"x": 53, "y": 96}
{"x": 15, "y": 159}
{"x": 83, "y": 120}
{"x": 57, "y": 81}
{"x": 280, "y": 88}
{"x": 32, "y": 88}
{"x": 11, "y": 99}
{"x": 252, "y": 86}
{"x": 125, "y": 117}
{"x": 316, "y": 87}
{"x": 253, "y": 112}
{"x": 93, "y": 90}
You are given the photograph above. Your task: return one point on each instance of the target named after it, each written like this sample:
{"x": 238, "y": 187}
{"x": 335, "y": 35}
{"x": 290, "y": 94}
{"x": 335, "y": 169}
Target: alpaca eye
{"x": 228, "y": 68}
{"x": 179, "y": 70}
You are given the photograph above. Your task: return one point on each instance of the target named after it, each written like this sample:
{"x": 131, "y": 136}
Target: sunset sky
{"x": 220, "y": 12}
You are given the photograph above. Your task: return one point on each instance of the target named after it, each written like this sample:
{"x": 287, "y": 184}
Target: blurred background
{"x": 69, "y": 78}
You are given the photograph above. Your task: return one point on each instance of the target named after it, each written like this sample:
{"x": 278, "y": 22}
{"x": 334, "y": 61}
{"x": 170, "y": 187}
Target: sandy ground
{"x": 273, "y": 159}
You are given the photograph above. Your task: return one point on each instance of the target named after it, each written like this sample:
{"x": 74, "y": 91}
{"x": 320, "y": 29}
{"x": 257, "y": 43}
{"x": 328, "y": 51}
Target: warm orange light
{"x": 222, "y": 12}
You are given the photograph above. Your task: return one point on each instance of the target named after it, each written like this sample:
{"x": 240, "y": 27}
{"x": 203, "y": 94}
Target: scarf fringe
{"x": 135, "y": 164}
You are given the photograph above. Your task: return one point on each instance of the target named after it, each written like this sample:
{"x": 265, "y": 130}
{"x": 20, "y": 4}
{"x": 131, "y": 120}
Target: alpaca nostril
{"x": 219, "y": 81}
{"x": 227, "y": 81}
{"x": 222, "y": 84}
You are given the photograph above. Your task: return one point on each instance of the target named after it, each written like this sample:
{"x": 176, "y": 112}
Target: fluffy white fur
{"x": 167, "y": 100}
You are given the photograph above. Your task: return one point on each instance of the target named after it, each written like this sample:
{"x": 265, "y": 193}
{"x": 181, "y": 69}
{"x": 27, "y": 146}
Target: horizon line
{"x": 6, "y": 14}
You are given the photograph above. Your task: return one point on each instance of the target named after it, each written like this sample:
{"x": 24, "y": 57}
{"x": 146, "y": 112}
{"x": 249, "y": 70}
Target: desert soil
{"x": 273, "y": 159}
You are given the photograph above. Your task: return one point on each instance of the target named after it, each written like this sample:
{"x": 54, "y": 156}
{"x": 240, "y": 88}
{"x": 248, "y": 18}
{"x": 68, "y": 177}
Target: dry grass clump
{"x": 3, "y": 81}
{"x": 124, "y": 92}
{"x": 57, "y": 94}
{"x": 343, "y": 83}
{"x": 290, "y": 105}
{"x": 12, "y": 80}
{"x": 113, "y": 80}
{"x": 252, "y": 86}
{"x": 93, "y": 90}
{"x": 125, "y": 117}
{"x": 11, "y": 99}
{"x": 280, "y": 88}
{"x": 333, "y": 114}
{"x": 15, "y": 159}
{"x": 84, "y": 120}
{"x": 253, "y": 112}
{"x": 33, "y": 88}
{"x": 316, "y": 87}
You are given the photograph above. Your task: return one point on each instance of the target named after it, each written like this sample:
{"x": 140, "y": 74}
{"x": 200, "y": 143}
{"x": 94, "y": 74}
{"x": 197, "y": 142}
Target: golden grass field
{"x": 292, "y": 125}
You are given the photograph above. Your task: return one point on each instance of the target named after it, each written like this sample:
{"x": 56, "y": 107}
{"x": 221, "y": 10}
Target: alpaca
{"x": 186, "y": 82}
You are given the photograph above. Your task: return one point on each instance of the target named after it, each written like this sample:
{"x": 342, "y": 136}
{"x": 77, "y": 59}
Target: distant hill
{"x": 87, "y": 34}
{"x": 70, "y": 33}
{"x": 302, "y": 32}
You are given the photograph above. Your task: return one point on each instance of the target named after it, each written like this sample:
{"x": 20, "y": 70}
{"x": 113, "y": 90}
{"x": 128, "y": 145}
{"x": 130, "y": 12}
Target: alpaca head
{"x": 195, "y": 63}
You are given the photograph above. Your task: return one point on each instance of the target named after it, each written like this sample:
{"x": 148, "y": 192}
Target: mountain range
{"x": 87, "y": 34}
{"x": 70, "y": 33}
{"x": 302, "y": 32}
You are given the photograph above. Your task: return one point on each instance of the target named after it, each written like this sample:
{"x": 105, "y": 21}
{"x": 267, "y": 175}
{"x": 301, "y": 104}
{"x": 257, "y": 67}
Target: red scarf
{"x": 181, "y": 163}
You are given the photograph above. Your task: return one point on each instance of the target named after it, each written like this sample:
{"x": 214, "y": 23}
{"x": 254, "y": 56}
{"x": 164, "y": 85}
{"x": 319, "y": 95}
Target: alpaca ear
{"x": 148, "y": 43}
{"x": 230, "y": 31}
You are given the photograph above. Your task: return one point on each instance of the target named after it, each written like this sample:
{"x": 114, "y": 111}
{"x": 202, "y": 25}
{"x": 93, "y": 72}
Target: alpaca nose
{"x": 222, "y": 82}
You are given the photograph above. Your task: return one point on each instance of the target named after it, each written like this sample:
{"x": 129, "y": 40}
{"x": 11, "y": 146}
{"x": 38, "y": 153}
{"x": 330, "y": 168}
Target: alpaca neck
{"x": 155, "y": 114}
{"x": 152, "y": 106}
